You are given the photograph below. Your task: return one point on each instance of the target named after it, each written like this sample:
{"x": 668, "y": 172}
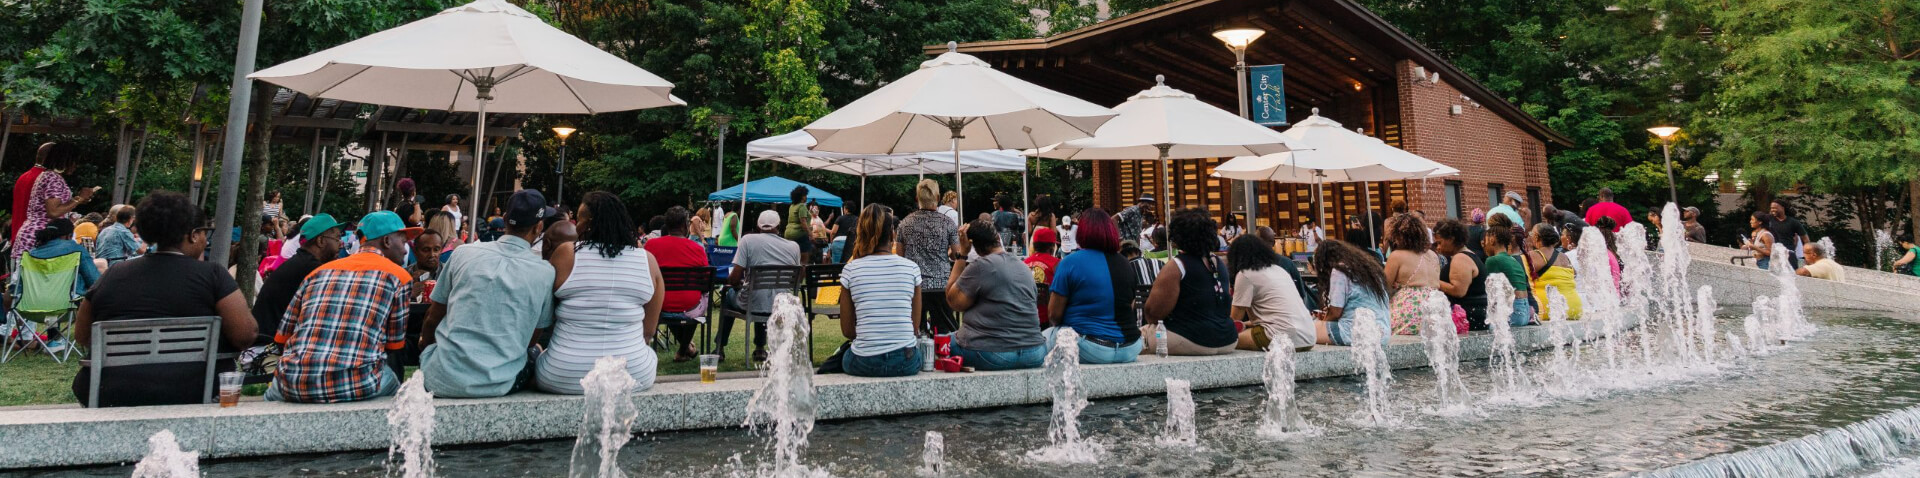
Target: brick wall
{"x": 1485, "y": 147}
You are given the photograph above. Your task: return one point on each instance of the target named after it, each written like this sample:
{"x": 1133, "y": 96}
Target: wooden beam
{"x": 447, "y": 129}
{"x": 308, "y": 122}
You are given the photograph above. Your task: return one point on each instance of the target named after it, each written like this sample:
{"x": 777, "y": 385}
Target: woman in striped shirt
{"x": 609, "y": 297}
{"x": 880, "y": 303}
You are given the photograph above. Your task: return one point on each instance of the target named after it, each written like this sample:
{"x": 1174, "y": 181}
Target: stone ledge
{"x": 71, "y": 436}
{"x": 1739, "y": 285}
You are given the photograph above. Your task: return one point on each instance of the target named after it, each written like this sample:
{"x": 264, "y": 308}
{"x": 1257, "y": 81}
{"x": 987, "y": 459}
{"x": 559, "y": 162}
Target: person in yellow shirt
{"x": 1819, "y": 266}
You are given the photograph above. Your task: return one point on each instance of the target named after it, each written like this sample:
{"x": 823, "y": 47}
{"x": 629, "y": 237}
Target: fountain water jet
{"x": 1180, "y": 431}
{"x": 1564, "y": 367}
{"x": 606, "y": 424}
{"x": 785, "y": 405}
{"x": 1069, "y": 399}
{"x": 1674, "y": 312}
{"x": 165, "y": 459}
{"x": 1882, "y": 242}
{"x": 1599, "y": 298}
{"x": 1790, "y": 317}
{"x": 1510, "y": 380}
{"x": 1369, "y": 351}
{"x": 1829, "y": 453}
{"x": 1703, "y": 323}
{"x": 1637, "y": 288}
{"x": 933, "y": 455}
{"x": 1438, "y": 333}
{"x": 1280, "y": 416}
{"x": 411, "y": 423}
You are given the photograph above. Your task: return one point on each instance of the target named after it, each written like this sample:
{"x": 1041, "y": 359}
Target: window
{"x": 1533, "y": 201}
{"x": 1453, "y": 199}
{"x": 1494, "y": 191}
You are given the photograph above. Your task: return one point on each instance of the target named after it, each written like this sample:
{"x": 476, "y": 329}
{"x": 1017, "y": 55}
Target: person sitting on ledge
{"x": 488, "y": 308}
{"x": 1547, "y": 267}
{"x": 609, "y": 296}
{"x": 997, "y": 293}
{"x": 879, "y": 302}
{"x": 1266, "y": 297}
{"x": 1353, "y": 280}
{"x": 1499, "y": 246}
{"x": 166, "y": 283}
{"x": 319, "y": 244}
{"x": 1413, "y": 271}
{"x": 346, "y": 317}
{"x": 1909, "y": 261}
{"x": 1190, "y": 297}
{"x": 1463, "y": 277}
{"x": 1819, "y": 266}
{"x": 1093, "y": 294}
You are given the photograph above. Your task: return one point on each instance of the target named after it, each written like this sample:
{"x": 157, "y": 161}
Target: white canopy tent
{"x": 1330, "y": 153}
{"x": 796, "y": 148}
{"x": 488, "y": 54}
{"x": 956, "y": 102}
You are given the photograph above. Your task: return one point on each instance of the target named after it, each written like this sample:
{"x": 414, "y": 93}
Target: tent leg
{"x": 484, "y": 91}
{"x": 746, "y": 176}
{"x": 863, "y": 191}
{"x": 1026, "y": 205}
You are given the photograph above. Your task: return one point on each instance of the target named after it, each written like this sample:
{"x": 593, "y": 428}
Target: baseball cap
{"x": 317, "y": 225}
{"x": 769, "y": 219}
{"x": 1045, "y": 235}
{"x": 527, "y": 206}
{"x": 1515, "y": 195}
{"x": 382, "y": 223}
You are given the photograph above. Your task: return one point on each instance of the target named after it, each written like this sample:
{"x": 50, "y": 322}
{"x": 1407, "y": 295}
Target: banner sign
{"x": 1267, "y": 101}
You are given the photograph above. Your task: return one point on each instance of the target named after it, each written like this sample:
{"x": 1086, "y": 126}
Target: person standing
{"x": 1760, "y": 245}
{"x": 459, "y": 220}
{"x": 23, "y": 186}
{"x": 1134, "y": 218}
{"x": 345, "y": 319}
{"x": 49, "y": 196}
{"x": 950, "y": 207}
{"x": 932, "y": 242}
{"x": 1607, "y": 208}
{"x": 488, "y": 309}
{"x": 609, "y": 296}
{"x": 1788, "y": 231}
{"x": 1311, "y": 232}
{"x": 799, "y": 223}
{"x": 843, "y": 231}
{"x": 998, "y": 294}
{"x": 1510, "y": 205}
{"x": 1008, "y": 223}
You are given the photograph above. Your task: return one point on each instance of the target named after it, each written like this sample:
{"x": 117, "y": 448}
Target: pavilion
{"x": 1340, "y": 58}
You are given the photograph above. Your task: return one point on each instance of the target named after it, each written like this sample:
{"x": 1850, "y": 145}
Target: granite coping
{"x": 1739, "y": 285}
{"x": 33, "y": 437}
{"x": 1855, "y": 275}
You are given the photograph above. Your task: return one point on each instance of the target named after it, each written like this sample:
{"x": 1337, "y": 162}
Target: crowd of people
{"x": 538, "y": 294}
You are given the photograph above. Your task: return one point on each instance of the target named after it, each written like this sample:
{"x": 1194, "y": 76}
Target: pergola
{"x": 326, "y": 127}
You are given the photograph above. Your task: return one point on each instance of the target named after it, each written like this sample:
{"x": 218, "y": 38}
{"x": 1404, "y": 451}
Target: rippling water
{"x": 1856, "y": 367}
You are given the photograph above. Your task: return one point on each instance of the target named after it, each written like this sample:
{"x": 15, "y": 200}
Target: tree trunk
{"x": 1913, "y": 205}
{"x": 247, "y": 259}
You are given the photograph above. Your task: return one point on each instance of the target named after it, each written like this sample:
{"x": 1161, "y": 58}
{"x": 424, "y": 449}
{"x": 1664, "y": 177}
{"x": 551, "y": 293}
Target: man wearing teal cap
{"x": 345, "y": 318}
{"x": 319, "y": 242}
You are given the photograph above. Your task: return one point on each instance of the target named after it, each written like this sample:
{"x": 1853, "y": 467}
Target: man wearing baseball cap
{"x": 319, "y": 243}
{"x": 488, "y": 309}
{"x": 1510, "y": 207}
{"x": 345, "y": 318}
{"x": 764, "y": 247}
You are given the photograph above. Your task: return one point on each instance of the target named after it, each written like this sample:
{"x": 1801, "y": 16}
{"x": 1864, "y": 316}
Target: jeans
{"x": 1522, "y": 313}
{"x": 1093, "y": 353}
{"x": 1341, "y": 331}
{"x": 1762, "y": 263}
{"x": 1030, "y": 357}
{"x": 901, "y": 362}
{"x": 837, "y": 250}
{"x": 389, "y": 383}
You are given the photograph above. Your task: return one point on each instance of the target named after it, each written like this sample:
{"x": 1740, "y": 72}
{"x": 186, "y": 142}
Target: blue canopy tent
{"x": 775, "y": 190}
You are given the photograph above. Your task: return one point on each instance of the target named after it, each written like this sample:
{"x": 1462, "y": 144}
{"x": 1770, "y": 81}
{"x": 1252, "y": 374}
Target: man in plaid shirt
{"x": 345, "y": 318}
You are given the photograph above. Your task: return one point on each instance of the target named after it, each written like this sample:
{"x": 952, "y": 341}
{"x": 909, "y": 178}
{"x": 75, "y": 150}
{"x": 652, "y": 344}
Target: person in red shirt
{"x": 682, "y": 311}
{"x": 1607, "y": 208}
{"x": 23, "y": 188}
{"x": 1042, "y": 261}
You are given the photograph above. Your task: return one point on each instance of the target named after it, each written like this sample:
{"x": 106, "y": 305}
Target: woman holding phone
{"x": 50, "y": 197}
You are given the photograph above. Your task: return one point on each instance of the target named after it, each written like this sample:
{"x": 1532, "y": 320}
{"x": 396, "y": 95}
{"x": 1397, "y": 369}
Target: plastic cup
{"x": 709, "y": 368}
{"x": 230, "y": 388}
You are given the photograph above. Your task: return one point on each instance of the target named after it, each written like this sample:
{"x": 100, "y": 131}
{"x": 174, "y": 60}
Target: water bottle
{"x": 1160, "y": 340}
{"x": 926, "y": 354}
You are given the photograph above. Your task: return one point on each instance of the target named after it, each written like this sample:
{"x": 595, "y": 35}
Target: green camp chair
{"x": 45, "y": 294}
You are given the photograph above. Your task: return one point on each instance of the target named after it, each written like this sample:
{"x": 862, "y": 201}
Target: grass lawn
{"x": 35, "y": 379}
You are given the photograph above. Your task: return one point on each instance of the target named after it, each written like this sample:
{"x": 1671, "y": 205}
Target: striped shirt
{"x": 883, "y": 288}
{"x": 601, "y": 312}
{"x": 339, "y": 327}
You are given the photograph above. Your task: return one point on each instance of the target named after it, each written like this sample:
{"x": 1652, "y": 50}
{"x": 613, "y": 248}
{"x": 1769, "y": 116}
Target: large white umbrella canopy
{"x": 796, "y": 148}
{"x": 485, "y": 55}
{"x": 955, "y": 102}
{"x": 1163, "y": 123}
{"x": 1326, "y": 151}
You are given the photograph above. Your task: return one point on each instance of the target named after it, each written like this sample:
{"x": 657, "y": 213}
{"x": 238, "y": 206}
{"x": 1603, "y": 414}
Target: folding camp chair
{"x": 120, "y": 343}
{"x": 773, "y": 278}
{"x": 820, "y": 290}
{"x": 45, "y": 293}
{"x": 694, "y": 279}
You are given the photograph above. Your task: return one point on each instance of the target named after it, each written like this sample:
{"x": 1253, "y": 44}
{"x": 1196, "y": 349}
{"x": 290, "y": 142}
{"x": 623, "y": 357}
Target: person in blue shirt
{"x": 1093, "y": 294}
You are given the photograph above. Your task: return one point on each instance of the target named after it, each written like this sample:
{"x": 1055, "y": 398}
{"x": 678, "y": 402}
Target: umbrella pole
{"x": 1026, "y": 205}
{"x": 483, "y": 91}
{"x": 1319, "y": 196}
{"x": 863, "y": 189}
{"x": 1366, "y": 194}
{"x": 1166, "y": 199}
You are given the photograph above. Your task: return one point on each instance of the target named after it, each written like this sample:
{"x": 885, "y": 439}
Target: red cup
{"x": 943, "y": 345}
{"x": 949, "y": 364}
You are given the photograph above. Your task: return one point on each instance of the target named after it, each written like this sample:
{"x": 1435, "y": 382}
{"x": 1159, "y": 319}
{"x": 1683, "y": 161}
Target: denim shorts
{"x": 1522, "y": 313}
{"x": 1341, "y": 331}
{"x": 900, "y": 362}
{"x": 1030, "y": 357}
{"x": 1096, "y": 353}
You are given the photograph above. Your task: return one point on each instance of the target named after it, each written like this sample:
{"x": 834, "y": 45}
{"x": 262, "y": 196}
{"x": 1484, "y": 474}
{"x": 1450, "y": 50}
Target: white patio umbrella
{"x": 1331, "y": 153}
{"x": 1162, "y": 123}
{"x": 795, "y": 148}
{"x": 483, "y": 55}
{"x": 955, "y": 102}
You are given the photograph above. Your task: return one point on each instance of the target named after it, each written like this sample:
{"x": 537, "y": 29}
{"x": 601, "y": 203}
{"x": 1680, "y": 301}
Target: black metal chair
{"x": 820, "y": 276}
{"x": 121, "y": 343}
{"x": 1043, "y": 297}
{"x": 762, "y": 278}
{"x": 692, "y": 279}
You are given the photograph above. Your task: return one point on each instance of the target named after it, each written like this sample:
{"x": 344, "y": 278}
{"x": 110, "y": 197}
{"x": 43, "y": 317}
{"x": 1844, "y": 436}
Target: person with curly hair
{"x": 1413, "y": 271}
{"x": 1266, "y": 297}
{"x": 1352, "y": 280}
{"x": 1190, "y": 297}
{"x": 608, "y": 295}
{"x": 1464, "y": 277}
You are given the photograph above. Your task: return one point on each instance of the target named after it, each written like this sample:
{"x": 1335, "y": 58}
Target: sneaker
{"x": 56, "y": 346}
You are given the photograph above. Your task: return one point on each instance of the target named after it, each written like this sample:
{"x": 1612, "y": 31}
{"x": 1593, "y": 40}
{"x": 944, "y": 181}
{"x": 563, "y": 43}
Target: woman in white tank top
{"x": 609, "y": 298}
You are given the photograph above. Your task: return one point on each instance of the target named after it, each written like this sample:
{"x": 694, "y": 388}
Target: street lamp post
{"x": 1237, "y": 40}
{"x": 720, "y": 155}
{"x": 1666, "y": 150}
{"x": 560, "y": 172}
